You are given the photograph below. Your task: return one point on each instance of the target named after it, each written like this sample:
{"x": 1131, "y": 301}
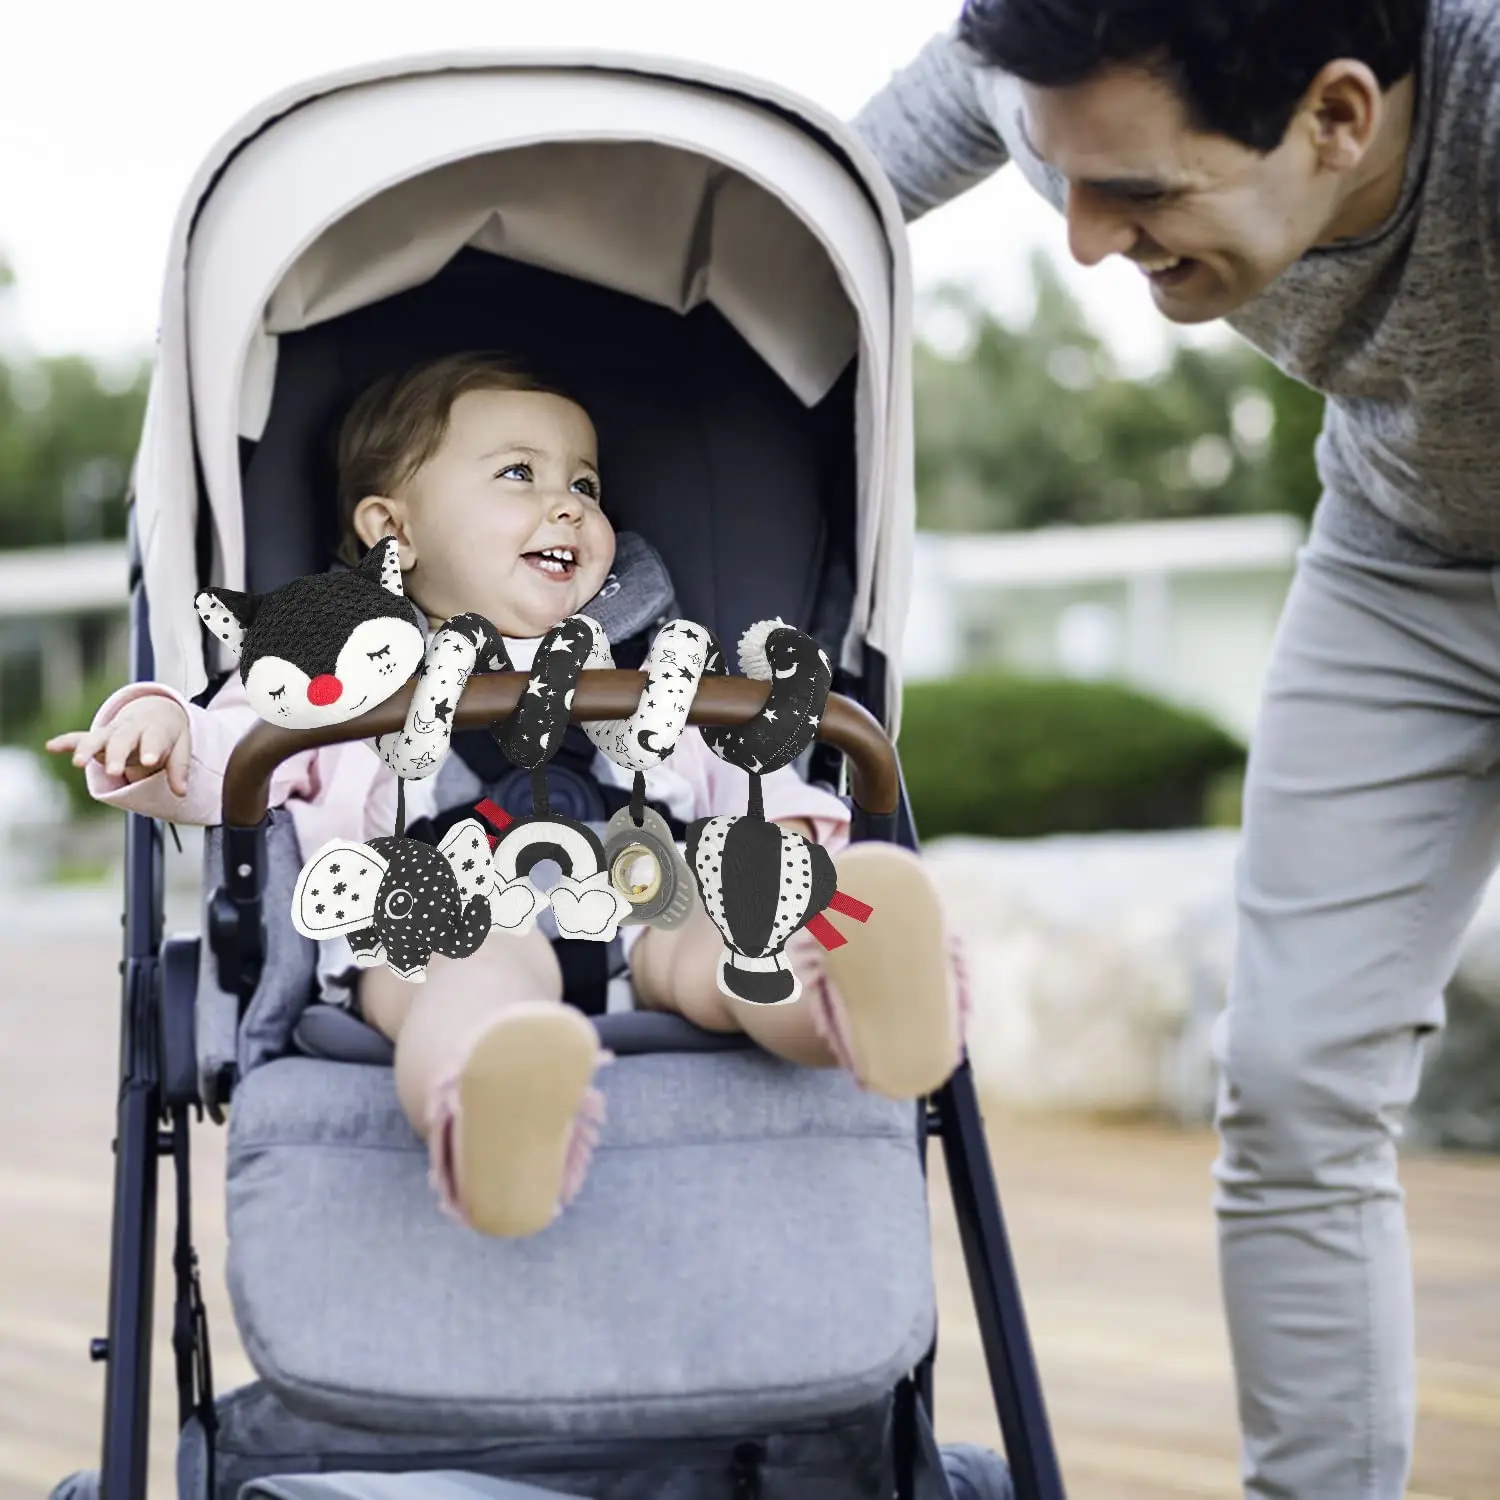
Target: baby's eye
{"x": 587, "y": 486}
{"x": 516, "y": 471}
{"x": 277, "y": 692}
{"x": 376, "y": 655}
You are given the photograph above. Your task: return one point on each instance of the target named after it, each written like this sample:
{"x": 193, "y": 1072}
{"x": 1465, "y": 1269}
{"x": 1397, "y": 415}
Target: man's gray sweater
{"x": 1399, "y": 329}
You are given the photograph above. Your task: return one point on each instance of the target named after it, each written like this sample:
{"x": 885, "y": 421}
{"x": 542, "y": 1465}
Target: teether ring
{"x": 667, "y": 899}
{"x": 676, "y": 662}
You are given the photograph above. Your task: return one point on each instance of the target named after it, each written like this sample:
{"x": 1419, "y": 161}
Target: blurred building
{"x": 63, "y": 621}
{"x": 1186, "y": 610}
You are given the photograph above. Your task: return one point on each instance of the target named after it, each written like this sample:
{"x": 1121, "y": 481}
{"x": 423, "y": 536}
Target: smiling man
{"x": 1324, "y": 175}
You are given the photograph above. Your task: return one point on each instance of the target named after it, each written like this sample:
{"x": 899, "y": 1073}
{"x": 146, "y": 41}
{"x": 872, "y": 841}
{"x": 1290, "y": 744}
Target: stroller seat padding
{"x": 752, "y": 1245}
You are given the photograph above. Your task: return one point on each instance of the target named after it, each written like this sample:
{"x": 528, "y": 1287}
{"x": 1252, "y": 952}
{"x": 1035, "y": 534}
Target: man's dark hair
{"x": 1241, "y": 67}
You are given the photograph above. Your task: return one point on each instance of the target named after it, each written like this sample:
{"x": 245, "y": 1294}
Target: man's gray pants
{"x": 1372, "y": 823}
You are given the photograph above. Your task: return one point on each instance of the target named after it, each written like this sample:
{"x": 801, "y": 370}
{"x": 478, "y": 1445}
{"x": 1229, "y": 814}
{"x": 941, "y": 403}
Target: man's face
{"x": 1210, "y": 222}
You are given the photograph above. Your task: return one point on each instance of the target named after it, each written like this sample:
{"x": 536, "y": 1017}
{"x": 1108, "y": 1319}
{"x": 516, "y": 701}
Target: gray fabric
{"x": 287, "y": 975}
{"x": 1372, "y": 825}
{"x": 192, "y": 1461}
{"x": 83, "y": 1485}
{"x": 1398, "y": 329}
{"x": 751, "y": 1245}
{"x": 434, "y": 1485}
{"x": 215, "y": 1010}
{"x": 332, "y": 1034}
{"x": 975, "y": 1473}
{"x": 847, "y": 1457}
{"x": 637, "y": 595}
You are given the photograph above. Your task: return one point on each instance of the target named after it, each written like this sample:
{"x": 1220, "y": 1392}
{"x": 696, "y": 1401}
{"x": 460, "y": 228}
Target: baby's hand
{"x": 134, "y": 744}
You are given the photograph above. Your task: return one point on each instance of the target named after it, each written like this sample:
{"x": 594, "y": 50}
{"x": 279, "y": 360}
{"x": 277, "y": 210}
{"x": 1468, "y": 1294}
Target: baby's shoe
{"x": 891, "y": 1001}
{"x": 512, "y": 1134}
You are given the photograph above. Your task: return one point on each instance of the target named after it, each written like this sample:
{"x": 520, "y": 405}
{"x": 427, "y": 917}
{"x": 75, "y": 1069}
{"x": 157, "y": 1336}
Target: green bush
{"x": 58, "y": 718}
{"x": 1010, "y": 757}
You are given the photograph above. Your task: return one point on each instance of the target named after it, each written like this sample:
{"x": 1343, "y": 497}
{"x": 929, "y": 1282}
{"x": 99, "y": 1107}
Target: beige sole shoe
{"x": 520, "y": 1096}
{"x": 900, "y": 1020}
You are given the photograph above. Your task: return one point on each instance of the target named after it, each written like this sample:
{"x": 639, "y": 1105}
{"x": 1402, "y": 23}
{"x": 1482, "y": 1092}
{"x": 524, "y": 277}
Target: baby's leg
{"x": 887, "y": 1005}
{"x": 494, "y": 1073}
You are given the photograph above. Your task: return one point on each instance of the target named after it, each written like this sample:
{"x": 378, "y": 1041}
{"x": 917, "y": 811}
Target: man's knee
{"x": 1298, "y": 1115}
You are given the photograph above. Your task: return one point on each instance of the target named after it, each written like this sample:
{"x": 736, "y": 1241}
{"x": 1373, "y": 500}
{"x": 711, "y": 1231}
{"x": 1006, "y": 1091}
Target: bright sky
{"x": 106, "y": 110}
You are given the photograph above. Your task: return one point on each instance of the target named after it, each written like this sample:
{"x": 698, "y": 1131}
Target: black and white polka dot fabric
{"x": 399, "y": 900}
{"x": 759, "y": 883}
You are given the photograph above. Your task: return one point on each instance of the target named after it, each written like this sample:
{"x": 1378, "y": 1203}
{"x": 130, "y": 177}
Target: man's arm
{"x": 929, "y": 130}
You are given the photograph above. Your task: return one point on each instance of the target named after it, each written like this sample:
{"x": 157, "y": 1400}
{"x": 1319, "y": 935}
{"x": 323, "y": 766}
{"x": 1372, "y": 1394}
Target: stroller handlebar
{"x": 601, "y": 694}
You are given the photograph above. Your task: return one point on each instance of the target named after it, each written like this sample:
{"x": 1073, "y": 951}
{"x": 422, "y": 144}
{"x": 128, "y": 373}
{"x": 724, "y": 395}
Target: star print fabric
{"x": 678, "y": 658}
{"x": 531, "y": 736}
{"x": 466, "y": 644}
{"x": 800, "y": 675}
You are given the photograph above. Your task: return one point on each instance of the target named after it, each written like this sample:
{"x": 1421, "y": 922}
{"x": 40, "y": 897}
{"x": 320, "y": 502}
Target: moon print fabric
{"x": 466, "y": 644}
{"x": 533, "y": 734}
{"x": 399, "y": 900}
{"x": 674, "y": 665}
{"x": 800, "y": 675}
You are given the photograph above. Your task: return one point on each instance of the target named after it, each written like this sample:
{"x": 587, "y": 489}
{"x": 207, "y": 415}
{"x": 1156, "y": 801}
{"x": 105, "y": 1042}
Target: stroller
{"x": 718, "y": 271}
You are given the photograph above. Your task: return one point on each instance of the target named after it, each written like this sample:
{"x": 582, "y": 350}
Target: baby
{"x": 490, "y": 485}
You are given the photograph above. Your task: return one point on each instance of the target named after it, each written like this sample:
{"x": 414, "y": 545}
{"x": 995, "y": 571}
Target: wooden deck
{"x": 1111, "y": 1230}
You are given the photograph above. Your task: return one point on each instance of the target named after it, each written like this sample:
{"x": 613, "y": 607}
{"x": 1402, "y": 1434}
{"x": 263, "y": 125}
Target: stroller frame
{"x": 159, "y": 1097}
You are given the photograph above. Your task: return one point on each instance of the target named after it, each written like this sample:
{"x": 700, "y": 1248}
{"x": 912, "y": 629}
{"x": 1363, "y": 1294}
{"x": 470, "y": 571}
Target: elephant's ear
{"x": 467, "y": 851}
{"x": 336, "y": 890}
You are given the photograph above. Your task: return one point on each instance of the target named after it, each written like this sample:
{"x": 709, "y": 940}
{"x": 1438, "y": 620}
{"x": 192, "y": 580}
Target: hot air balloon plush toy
{"x": 759, "y": 882}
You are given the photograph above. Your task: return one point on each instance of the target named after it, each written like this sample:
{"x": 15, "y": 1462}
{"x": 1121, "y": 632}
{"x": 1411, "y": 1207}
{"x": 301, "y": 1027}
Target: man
{"x": 1325, "y": 176}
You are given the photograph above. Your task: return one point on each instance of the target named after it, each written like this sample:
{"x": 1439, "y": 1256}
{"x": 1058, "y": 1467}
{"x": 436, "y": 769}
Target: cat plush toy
{"x": 759, "y": 882}
{"x": 322, "y": 649}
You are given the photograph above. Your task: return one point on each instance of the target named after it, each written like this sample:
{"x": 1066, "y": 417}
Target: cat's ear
{"x": 228, "y": 614}
{"x": 382, "y": 565}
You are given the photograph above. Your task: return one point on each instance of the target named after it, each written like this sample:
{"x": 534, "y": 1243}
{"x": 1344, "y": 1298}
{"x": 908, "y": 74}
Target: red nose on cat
{"x": 324, "y": 690}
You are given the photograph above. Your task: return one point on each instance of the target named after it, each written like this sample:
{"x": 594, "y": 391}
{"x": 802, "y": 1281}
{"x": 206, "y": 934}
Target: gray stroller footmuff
{"x": 437, "y": 1485}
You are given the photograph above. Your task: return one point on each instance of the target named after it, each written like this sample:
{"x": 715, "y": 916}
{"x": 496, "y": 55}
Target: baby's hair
{"x": 398, "y": 423}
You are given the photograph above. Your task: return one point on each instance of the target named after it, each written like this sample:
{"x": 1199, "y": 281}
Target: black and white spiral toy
{"x": 643, "y": 860}
{"x": 584, "y": 902}
{"x": 800, "y": 674}
{"x": 458, "y": 648}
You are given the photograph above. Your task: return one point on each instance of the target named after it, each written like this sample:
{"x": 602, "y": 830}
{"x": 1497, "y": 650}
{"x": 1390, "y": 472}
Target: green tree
{"x": 1038, "y": 427}
{"x": 68, "y": 433}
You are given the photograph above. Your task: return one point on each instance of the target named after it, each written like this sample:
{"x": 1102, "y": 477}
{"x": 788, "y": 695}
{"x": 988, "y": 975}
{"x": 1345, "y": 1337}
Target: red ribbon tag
{"x": 496, "y": 816}
{"x": 847, "y": 906}
{"x": 825, "y": 932}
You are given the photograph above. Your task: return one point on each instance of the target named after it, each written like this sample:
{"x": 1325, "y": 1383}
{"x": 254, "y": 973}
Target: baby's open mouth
{"x": 554, "y": 562}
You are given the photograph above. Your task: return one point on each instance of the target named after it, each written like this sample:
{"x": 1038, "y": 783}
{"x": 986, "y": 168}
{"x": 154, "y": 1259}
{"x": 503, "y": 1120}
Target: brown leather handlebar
{"x": 874, "y": 780}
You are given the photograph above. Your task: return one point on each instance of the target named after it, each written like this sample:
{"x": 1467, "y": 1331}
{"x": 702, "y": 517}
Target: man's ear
{"x": 228, "y": 614}
{"x": 1346, "y": 105}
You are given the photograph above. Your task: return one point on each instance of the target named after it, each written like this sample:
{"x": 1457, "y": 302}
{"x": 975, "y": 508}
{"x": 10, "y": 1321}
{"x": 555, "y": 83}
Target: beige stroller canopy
{"x": 673, "y": 183}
